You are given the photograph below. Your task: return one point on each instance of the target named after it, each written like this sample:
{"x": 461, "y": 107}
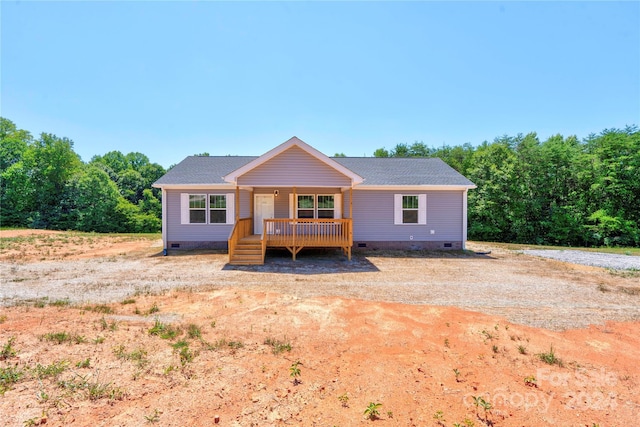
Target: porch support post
{"x": 464, "y": 219}
{"x": 295, "y": 222}
{"x": 251, "y": 209}
{"x": 237, "y": 203}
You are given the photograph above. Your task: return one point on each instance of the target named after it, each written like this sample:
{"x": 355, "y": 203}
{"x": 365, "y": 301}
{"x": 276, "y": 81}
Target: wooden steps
{"x": 247, "y": 252}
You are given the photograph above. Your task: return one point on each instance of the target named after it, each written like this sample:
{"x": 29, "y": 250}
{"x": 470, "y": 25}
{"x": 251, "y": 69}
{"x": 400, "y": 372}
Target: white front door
{"x": 263, "y": 209}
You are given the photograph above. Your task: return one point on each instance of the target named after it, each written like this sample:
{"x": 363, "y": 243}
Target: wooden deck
{"x": 292, "y": 234}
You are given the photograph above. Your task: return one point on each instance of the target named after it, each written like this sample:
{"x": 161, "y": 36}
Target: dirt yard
{"x": 104, "y": 330}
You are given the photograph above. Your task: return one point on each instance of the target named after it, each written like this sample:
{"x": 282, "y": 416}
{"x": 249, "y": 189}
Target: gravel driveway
{"x": 595, "y": 259}
{"x": 525, "y": 289}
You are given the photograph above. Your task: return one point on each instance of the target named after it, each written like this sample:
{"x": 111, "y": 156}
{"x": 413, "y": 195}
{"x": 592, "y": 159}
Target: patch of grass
{"x": 139, "y": 356}
{"x": 154, "y": 309}
{"x": 128, "y": 301}
{"x": 113, "y": 326}
{"x": 550, "y": 357}
{"x": 62, "y": 337}
{"x": 163, "y": 330}
{"x": 86, "y": 363}
{"x": 186, "y": 355}
{"x": 193, "y": 331}
{"x": 99, "y": 308}
{"x": 277, "y": 346}
{"x": 9, "y": 376}
{"x": 522, "y": 349}
{"x": 53, "y": 370}
{"x": 60, "y": 303}
{"x": 7, "y": 350}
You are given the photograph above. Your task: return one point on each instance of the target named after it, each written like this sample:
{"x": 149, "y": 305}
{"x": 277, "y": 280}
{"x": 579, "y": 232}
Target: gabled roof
{"x": 366, "y": 172}
{"x": 201, "y": 170}
{"x": 398, "y": 171}
{"x": 294, "y": 141}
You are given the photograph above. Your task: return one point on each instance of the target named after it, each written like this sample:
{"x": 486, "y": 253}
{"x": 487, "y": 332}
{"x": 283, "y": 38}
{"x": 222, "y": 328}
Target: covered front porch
{"x": 294, "y": 234}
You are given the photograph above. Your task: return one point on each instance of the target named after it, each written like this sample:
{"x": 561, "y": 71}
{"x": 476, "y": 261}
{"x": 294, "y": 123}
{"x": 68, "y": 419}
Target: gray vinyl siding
{"x": 178, "y": 232}
{"x": 294, "y": 167}
{"x": 373, "y": 217}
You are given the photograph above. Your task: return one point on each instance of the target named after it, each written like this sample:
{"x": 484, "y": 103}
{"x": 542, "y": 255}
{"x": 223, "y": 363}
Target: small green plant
{"x": 294, "y": 372}
{"x": 522, "y": 349}
{"x": 277, "y": 346}
{"x": 98, "y": 340}
{"x": 494, "y": 348}
{"x": 52, "y": 370}
{"x": 468, "y": 422}
{"x": 7, "y": 350}
{"x": 550, "y": 357}
{"x": 446, "y": 342}
{"x": 99, "y": 308}
{"x": 488, "y": 335}
{"x": 163, "y": 331}
{"x": 128, "y": 301}
{"x": 372, "y": 411}
{"x": 154, "y": 309}
{"x": 457, "y": 374}
{"x": 3, "y": 318}
{"x": 390, "y": 414}
{"x": 186, "y": 356}
{"x": 193, "y": 331}
{"x": 344, "y": 400}
{"x": 60, "y": 302}
{"x": 439, "y": 417}
{"x": 62, "y": 337}
{"x": 530, "y": 381}
{"x": 153, "y": 418}
{"x": 113, "y": 326}
{"x": 86, "y": 363}
{"x": 479, "y": 401}
{"x": 9, "y": 376}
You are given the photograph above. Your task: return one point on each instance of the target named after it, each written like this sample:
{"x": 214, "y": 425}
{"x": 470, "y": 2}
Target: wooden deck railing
{"x": 294, "y": 234}
{"x": 242, "y": 228}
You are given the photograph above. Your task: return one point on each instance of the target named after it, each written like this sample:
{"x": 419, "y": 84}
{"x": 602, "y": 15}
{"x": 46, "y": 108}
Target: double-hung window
{"x": 217, "y": 209}
{"x": 410, "y": 209}
{"x": 207, "y": 208}
{"x": 197, "y": 208}
{"x": 316, "y": 206}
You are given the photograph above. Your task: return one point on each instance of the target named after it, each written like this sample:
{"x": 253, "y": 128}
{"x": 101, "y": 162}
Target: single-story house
{"x": 295, "y": 197}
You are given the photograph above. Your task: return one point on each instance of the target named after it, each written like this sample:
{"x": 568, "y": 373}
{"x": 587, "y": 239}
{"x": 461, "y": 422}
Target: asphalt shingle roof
{"x": 374, "y": 170}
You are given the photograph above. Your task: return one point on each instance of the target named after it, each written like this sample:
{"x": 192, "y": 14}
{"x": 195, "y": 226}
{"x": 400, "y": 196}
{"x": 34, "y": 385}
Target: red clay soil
{"x": 229, "y": 357}
{"x": 425, "y": 365}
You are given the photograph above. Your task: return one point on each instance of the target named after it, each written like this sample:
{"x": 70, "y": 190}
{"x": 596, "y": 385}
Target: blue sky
{"x": 171, "y": 79}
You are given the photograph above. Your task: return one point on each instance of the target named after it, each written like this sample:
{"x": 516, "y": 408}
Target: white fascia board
{"x": 233, "y": 176}
{"x": 414, "y": 187}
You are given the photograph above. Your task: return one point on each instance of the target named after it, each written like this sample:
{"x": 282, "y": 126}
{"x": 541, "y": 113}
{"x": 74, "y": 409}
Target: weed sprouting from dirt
{"x": 62, "y": 337}
{"x": 550, "y": 357}
{"x": 277, "y": 346}
{"x": 7, "y": 350}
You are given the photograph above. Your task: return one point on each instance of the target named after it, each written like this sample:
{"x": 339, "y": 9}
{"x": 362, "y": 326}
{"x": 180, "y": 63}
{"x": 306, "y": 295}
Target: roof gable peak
{"x": 291, "y": 142}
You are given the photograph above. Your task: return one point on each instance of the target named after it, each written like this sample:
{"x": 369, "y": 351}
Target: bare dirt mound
{"x": 107, "y": 342}
{"x": 187, "y": 358}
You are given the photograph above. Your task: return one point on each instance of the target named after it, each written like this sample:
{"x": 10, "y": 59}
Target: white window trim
{"x": 337, "y": 205}
{"x": 184, "y": 208}
{"x": 397, "y": 209}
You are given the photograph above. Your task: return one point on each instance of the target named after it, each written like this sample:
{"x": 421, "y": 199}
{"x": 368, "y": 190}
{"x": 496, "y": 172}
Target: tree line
{"x": 45, "y": 184}
{"x": 561, "y": 191}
